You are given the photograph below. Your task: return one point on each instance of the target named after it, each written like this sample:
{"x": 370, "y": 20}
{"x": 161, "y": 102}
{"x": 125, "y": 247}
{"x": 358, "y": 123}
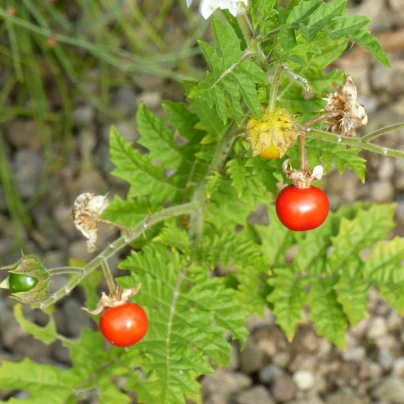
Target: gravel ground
{"x": 269, "y": 369}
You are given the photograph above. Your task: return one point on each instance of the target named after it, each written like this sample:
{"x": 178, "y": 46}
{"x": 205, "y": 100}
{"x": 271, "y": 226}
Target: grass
{"x": 57, "y": 44}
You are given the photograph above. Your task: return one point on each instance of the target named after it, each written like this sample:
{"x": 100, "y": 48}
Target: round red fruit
{"x": 124, "y": 325}
{"x": 301, "y": 209}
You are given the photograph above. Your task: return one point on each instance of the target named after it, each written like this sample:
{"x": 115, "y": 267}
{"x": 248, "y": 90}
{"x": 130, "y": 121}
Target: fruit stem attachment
{"x": 108, "y": 277}
{"x": 302, "y": 151}
{"x": 274, "y": 89}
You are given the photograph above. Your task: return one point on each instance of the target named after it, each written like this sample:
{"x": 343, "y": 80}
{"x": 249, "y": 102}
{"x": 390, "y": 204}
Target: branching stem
{"x": 274, "y": 89}
{"x": 117, "y": 245}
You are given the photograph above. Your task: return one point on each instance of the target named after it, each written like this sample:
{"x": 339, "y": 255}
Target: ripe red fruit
{"x": 301, "y": 209}
{"x": 124, "y": 325}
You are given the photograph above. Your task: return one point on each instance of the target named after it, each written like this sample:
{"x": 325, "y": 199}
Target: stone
{"x": 386, "y": 169}
{"x": 377, "y": 328}
{"x": 394, "y": 321}
{"x": 255, "y": 395}
{"x": 385, "y": 358}
{"x": 390, "y": 390}
{"x": 343, "y": 397}
{"x": 127, "y": 129}
{"x": 152, "y": 99}
{"x": 23, "y": 134}
{"x": 27, "y": 167}
{"x": 388, "y": 80}
{"x": 268, "y": 373}
{"x": 31, "y": 348}
{"x": 398, "y": 367}
{"x": 76, "y": 319}
{"x": 354, "y": 354}
{"x": 283, "y": 388}
{"x": 251, "y": 358}
{"x": 370, "y": 370}
{"x": 124, "y": 102}
{"x": 381, "y": 19}
{"x": 382, "y": 191}
{"x": 281, "y": 359}
{"x": 224, "y": 383}
{"x": 83, "y": 115}
{"x": 397, "y": 8}
{"x": 304, "y": 379}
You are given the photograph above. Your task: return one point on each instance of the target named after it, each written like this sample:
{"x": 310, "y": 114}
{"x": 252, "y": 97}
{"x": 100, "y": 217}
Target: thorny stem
{"x": 362, "y": 143}
{"x": 274, "y": 89}
{"x": 219, "y": 158}
{"x": 380, "y": 132}
{"x": 351, "y": 141}
{"x": 124, "y": 228}
{"x": 108, "y": 276}
{"x": 118, "y": 244}
{"x": 302, "y": 151}
{"x": 64, "y": 270}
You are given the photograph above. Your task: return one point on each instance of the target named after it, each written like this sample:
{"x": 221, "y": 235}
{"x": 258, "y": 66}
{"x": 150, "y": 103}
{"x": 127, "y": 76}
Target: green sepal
{"x": 29, "y": 265}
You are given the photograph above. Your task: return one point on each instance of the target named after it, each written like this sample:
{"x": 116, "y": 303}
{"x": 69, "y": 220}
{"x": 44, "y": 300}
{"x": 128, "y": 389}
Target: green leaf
{"x": 139, "y": 172}
{"x": 159, "y": 140}
{"x": 301, "y": 11}
{"x": 210, "y": 55}
{"x": 249, "y": 93}
{"x": 313, "y": 248}
{"x": 187, "y": 321}
{"x": 220, "y": 102}
{"x": 368, "y": 41}
{"x": 287, "y": 297}
{"x": 346, "y": 25}
{"x": 367, "y": 228}
{"x": 351, "y": 294}
{"x": 231, "y": 248}
{"x": 127, "y": 212}
{"x": 227, "y": 42}
{"x": 287, "y": 38}
{"x": 172, "y": 236}
{"x": 238, "y": 173}
{"x": 184, "y": 120}
{"x": 45, "y": 334}
{"x": 255, "y": 74}
{"x": 343, "y": 157}
{"x": 384, "y": 265}
{"x": 325, "y": 13}
{"x": 45, "y": 383}
{"x": 326, "y": 312}
{"x": 384, "y": 268}
{"x": 275, "y": 239}
{"x": 212, "y": 183}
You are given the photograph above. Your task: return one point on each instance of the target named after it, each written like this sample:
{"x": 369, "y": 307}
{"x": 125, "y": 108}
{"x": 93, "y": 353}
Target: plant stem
{"x": 117, "y": 245}
{"x": 380, "y": 132}
{"x": 274, "y": 89}
{"x": 302, "y": 151}
{"x": 222, "y": 151}
{"x": 351, "y": 141}
{"x": 65, "y": 270}
{"x": 108, "y": 276}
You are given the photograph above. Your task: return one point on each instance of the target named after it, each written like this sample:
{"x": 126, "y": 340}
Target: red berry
{"x": 301, "y": 209}
{"x": 124, "y": 325}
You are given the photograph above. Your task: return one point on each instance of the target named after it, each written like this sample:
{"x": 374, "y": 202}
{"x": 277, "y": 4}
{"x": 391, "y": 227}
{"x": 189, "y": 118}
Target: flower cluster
{"x": 208, "y": 7}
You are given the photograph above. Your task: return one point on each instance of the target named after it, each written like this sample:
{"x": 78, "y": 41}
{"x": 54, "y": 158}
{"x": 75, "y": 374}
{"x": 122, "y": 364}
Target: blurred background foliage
{"x": 56, "y": 54}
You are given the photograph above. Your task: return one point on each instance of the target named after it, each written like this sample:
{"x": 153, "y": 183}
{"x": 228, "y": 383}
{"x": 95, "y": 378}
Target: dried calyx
{"x": 86, "y": 214}
{"x": 302, "y": 178}
{"x": 120, "y": 297}
{"x": 345, "y": 114}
